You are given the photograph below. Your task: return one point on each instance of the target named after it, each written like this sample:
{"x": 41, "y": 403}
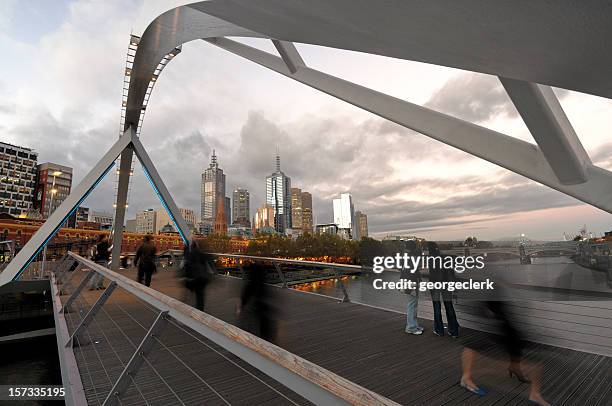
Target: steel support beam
{"x": 132, "y": 367}
{"x": 77, "y": 291}
{"x": 42, "y": 236}
{"x": 289, "y": 54}
{"x": 125, "y": 168}
{"x": 281, "y": 275}
{"x": 516, "y": 155}
{"x": 161, "y": 190}
{"x": 551, "y": 129}
{"x": 91, "y": 314}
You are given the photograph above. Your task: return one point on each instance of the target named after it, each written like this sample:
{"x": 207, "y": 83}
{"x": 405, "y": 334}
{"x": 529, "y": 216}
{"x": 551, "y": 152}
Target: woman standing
{"x": 440, "y": 274}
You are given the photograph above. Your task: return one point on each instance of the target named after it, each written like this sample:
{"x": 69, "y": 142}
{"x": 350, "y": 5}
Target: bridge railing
{"x": 286, "y": 277}
{"x": 310, "y": 381}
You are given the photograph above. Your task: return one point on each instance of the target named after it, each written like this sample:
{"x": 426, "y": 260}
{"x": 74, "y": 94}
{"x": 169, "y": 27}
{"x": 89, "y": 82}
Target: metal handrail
{"x": 309, "y": 380}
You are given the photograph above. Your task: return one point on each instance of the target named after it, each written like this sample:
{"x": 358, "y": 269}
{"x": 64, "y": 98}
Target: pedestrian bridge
{"x": 134, "y": 345}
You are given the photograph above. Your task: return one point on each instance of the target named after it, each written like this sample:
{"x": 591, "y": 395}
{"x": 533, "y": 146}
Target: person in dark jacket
{"x": 198, "y": 270}
{"x": 145, "y": 260}
{"x": 257, "y": 312}
{"x": 438, "y": 273}
{"x": 101, "y": 256}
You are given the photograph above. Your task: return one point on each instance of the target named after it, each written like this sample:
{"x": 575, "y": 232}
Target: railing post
{"x": 132, "y": 367}
{"x": 280, "y": 274}
{"x": 91, "y": 313}
{"x": 346, "y": 298}
{"x": 77, "y": 291}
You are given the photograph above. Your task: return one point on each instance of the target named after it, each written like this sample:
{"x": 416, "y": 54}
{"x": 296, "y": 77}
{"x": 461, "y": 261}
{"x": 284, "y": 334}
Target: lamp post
{"x": 53, "y": 192}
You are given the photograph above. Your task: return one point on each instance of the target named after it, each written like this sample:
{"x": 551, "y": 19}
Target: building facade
{"x": 105, "y": 219}
{"x": 17, "y": 179}
{"x": 264, "y": 218}
{"x": 278, "y": 195}
{"x": 146, "y": 221}
{"x": 227, "y": 207}
{"x": 241, "y": 208}
{"x": 301, "y": 210}
{"x": 344, "y": 215}
{"x": 53, "y": 185}
{"x": 189, "y": 216}
{"x": 362, "y": 225}
{"x": 330, "y": 228}
{"x": 212, "y": 191}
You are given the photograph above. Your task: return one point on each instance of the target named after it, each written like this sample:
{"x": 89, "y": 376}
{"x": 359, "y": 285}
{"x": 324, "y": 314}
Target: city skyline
{"x": 405, "y": 182}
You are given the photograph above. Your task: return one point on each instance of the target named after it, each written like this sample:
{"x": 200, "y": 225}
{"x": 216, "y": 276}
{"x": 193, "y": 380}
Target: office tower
{"x": 301, "y": 210}
{"x": 307, "y": 221}
{"x": 362, "y": 225}
{"x": 264, "y": 217}
{"x": 344, "y": 215}
{"x": 53, "y": 186}
{"x": 17, "y": 179}
{"x": 278, "y": 195}
{"x": 241, "y": 212}
{"x": 228, "y": 210}
{"x": 145, "y": 221}
{"x": 220, "y": 226}
{"x": 213, "y": 191}
{"x": 296, "y": 208}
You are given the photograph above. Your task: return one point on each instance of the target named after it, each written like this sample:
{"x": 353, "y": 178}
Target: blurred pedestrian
{"x": 509, "y": 337}
{"x": 101, "y": 255}
{"x": 198, "y": 270}
{"x": 145, "y": 260}
{"x": 256, "y": 309}
{"x": 437, "y": 273}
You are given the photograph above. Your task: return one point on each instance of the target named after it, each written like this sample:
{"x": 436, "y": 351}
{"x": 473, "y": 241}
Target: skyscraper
{"x": 344, "y": 215}
{"x": 213, "y": 190}
{"x": 264, "y": 218}
{"x": 307, "y": 221}
{"x": 53, "y": 186}
{"x": 296, "y": 208}
{"x": 278, "y": 195}
{"x": 17, "y": 179}
{"x": 227, "y": 207}
{"x": 301, "y": 210}
{"x": 241, "y": 213}
{"x": 362, "y": 225}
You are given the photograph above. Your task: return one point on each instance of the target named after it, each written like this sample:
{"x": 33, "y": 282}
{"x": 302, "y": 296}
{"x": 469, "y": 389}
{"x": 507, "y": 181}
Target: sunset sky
{"x": 61, "y": 81}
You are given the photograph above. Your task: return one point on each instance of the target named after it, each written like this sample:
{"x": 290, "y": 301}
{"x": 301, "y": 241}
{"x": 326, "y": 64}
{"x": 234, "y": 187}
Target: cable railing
{"x": 153, "y": 355}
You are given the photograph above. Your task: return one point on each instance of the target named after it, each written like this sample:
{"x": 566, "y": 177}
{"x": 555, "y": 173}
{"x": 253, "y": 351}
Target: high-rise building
{"x": 296, "y": 208}
{"x": 301, "y": 210}
{"x": 53, "y": 186}
{"x": 130, "y": 226}
{"x": 213, "y": 191}
{"x": 278, "y": 195}
{"x": 17, "y": 179}
{"x": 264, "y": 218}
{"x": 307, "y": 220}
{"x": 228, "y": 210}
{"x": 145, "y": 221}
{"x": 241, "y": 213}
{"x": 362, "y": 225}
{"x": 344, "y": 215}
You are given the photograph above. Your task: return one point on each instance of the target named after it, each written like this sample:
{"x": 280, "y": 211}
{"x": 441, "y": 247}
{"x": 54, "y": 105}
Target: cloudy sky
{"x": 61, "y": 84}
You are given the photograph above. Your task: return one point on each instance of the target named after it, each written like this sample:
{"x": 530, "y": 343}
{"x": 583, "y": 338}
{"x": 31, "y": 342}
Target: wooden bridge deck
{"x": 363, "y": 344}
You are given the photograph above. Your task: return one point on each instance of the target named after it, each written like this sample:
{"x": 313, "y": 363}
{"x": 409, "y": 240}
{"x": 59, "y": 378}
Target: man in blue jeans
{"x": 412, "y": 324}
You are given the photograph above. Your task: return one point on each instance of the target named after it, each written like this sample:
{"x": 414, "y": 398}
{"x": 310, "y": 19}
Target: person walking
{"x": 198, "y": 270}
{"x": 255, "y": 308}
{"x": 145, "y": 260}
{"x": 100, "y": 256}
{"x": 438, "y": 273}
